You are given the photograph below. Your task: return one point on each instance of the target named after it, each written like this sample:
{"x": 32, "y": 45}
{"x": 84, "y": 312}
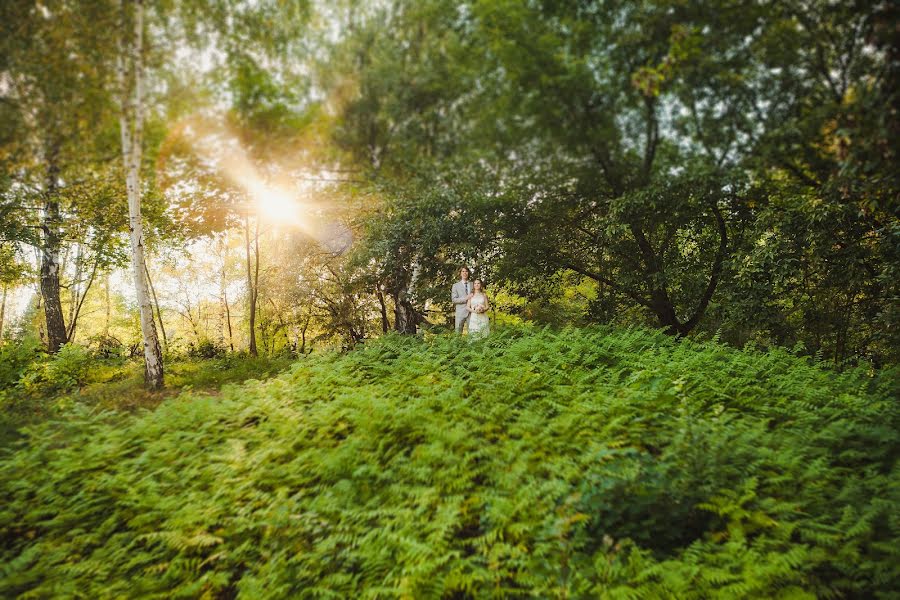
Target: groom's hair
{"x": 466, "y": 268}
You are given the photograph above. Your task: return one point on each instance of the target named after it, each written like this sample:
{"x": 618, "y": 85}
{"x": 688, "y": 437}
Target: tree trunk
{"x": 42, "y": 335}
{"x": 264, "y": 324}
{"x": 162, "y": 326}
{"x": 282, "y": 326}
{"x": 385, "y": 324}
{"x": 50, "y": 243}
{"x": 223, "y": 293}
{"x": 195, "y": 325}
{"x": 251, "y": 285}
{"x": 303, "y": 336}
{"x": 75, "y": 287}
{"x": 107, "y": 303}
{"x": 131, "y": 125}
{"x": 255, "y": 267}
{"x": 405, "y": 317}
{"x": 660, "y": 302}
{"x": 662, "y": 307}
{"x": 78, "y": 302}
{"x": 228, "y": 321}
{"x": 220, "y": 324}
{"x": 715, "y": 272}
{"x": 2, "y": 311}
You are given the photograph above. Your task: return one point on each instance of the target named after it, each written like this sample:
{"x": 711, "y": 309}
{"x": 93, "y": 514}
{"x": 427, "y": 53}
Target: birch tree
{"x": 49, "y": 248}
{"x": 131, "y": 123}
{"x": 53, "y": 152}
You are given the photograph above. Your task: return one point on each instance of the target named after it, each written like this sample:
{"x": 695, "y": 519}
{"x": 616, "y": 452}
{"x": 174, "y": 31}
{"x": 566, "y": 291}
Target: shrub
{"x": 106, "y": 347}
{"x": 206, "y": 349}
{"x": 68, "y": 368}
{"x": 575, "y": 463}
{"x": 15, "y": 358}
{"x": 62, "y": 372}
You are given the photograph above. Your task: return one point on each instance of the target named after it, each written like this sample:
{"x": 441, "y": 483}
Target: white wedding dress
{"x": 479, "y": 323}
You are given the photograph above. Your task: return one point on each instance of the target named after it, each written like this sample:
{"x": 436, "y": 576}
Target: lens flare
{"x": 277, "y": 204}
{"x": 284, "y": 192}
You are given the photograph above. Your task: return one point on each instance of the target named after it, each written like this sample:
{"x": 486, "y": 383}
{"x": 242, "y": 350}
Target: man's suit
{"x": 459, "y": 294}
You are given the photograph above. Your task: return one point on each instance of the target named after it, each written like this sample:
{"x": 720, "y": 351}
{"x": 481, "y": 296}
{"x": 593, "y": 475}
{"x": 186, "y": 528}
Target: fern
{"x": 534, "y": 463}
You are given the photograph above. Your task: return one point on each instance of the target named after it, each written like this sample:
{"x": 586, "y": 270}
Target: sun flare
{"x": 271, "y": 191}
{"x": 274, "y": 203}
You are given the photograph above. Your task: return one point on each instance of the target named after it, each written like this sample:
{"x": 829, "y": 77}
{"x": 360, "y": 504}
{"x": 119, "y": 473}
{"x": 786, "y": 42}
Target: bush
{"x": 577, "y": 463}
{"x": 106, "y": 347}
{"x": 62, "y": 372}
{"x": 44, "y": 376}
{"x": 68, "y": 368}
{"x": 206, "y": 349}
{"x": 15, "y": 358}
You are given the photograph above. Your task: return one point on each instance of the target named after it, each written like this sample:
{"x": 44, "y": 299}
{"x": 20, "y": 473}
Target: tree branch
{"x": 651, "y": 137}
{"x": 77, "y": 311}
{"x": 566, "y": 264}
{"x": 714, "y": 274}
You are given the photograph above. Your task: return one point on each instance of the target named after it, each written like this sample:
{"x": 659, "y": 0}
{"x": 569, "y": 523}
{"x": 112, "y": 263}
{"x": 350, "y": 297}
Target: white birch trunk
{"x": 131, "y": 125}
{"x": 2, "y": 311}
{"x": 220, "y": 325}
{"x": 108, "y": 305}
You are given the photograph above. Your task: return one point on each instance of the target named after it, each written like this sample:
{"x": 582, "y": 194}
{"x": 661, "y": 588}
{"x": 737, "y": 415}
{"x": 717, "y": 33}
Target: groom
{"x": 460, "y": 293}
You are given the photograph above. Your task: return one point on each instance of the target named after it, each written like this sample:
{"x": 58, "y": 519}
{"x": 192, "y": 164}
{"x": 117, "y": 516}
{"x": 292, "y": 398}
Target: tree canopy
{"x": 706, "y": 167}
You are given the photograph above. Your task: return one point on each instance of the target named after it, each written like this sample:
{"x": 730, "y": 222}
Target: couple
{"x": 471, "y": 304}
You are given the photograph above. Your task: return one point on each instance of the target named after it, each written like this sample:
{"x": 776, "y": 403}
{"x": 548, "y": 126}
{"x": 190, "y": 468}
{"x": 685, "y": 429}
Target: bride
{"x": 478, "y": 305}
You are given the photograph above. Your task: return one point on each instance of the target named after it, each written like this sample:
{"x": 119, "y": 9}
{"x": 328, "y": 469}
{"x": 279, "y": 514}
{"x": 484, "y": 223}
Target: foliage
{"x": 534, "y": 463}
{"x": 30, "y": 376}
{"x": 106, "y": 346}
{"x": 15, "y": 358}
{"x": 206, "y": 349}
{"x": 36, "y": 385}
{"x": 710, "y": 166}
{"x": 68, "y": 369}
{"x": 47, "y": 375}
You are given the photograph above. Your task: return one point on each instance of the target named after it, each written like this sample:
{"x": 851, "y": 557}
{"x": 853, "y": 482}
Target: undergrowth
{"x": 35, "y": 386}
{"x": 578, "y": 463}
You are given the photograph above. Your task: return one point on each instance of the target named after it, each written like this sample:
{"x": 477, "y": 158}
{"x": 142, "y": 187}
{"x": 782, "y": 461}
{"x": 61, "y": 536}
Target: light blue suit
{"x": 458, "y": 294}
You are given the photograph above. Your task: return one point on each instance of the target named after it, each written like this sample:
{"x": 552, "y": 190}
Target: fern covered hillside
{"x": 578, "y": 463}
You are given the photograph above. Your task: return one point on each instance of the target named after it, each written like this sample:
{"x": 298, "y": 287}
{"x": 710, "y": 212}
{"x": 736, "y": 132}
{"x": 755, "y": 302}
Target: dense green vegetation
{"x": 213, "y": 214}
{"x": 698, "y": 165}
{"x": 536, "y": 463}
{"x": 314, "y": 172}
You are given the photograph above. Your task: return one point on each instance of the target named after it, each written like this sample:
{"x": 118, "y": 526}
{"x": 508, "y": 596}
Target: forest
{"x": 228, "y": 235}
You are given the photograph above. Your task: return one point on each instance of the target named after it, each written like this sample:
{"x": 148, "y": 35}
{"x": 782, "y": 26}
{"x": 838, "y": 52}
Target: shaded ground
{"x": 119, "y": 386}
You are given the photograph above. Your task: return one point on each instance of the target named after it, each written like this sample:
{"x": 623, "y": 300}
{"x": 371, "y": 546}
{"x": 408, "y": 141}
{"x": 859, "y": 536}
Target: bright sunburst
{"x": 273, "y": 203}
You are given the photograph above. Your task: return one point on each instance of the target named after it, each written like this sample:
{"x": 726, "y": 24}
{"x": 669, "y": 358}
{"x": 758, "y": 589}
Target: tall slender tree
{"x": 131, "y": 123}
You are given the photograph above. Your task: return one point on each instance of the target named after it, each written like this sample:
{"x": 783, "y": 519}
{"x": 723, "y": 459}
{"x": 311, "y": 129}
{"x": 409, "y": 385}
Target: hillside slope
{"x": 576, "y": 463}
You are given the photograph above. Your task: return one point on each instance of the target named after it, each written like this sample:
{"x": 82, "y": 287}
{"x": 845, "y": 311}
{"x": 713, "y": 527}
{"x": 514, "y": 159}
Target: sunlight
{"x": 274, "y": 203}
{"x": 278, "y": 207}
{"x": 278, "y": 191}
{"x": 270, "y": 195}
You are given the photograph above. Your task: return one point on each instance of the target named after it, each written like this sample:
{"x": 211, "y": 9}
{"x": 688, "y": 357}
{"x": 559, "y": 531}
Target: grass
{"x": 118, "y": 385}
{"x": 121, "y": 387}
